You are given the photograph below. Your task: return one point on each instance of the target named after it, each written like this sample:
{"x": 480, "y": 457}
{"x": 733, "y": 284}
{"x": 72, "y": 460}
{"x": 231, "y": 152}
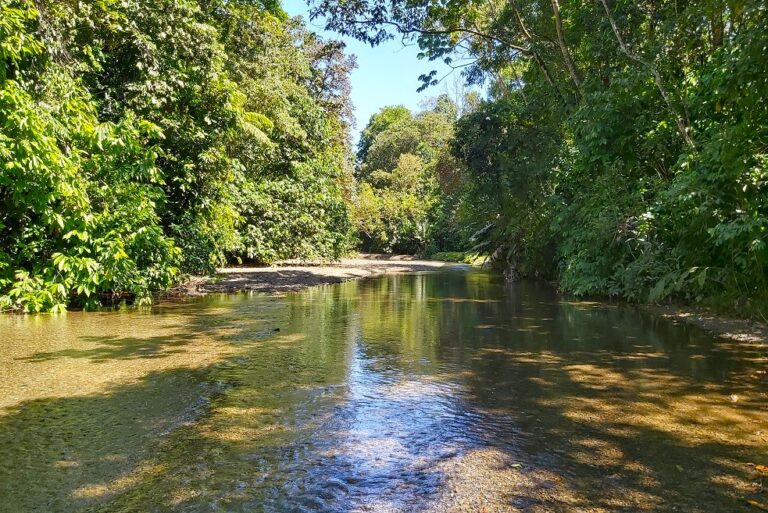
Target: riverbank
{"x": 731, "y": 328}
{"x": 290, "y": 276}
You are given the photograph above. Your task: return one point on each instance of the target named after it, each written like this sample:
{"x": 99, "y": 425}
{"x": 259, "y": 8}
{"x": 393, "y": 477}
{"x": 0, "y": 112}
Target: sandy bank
{"x": 294, "y": 275}
{"x": 740, "y": 330}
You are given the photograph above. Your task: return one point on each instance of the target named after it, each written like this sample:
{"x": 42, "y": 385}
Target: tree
{"x": 621, "y": 146}
{"x": 140, "y": 139}
{"x": 400, "y": 199}
{"x": 378, "y": 123}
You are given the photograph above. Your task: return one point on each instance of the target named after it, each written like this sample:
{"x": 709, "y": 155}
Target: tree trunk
{"x": 563, "y": 47}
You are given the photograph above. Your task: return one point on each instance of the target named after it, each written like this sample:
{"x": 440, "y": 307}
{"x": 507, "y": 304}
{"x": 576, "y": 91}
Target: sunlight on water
{"x": 434, "y": 392}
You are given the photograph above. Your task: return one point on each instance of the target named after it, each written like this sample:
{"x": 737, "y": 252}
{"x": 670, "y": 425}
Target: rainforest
{"x": 383, "y": 256}
{"x": 617, "y": 148}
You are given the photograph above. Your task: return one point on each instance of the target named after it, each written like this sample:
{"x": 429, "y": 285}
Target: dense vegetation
{"x": 408, "y": 181}
{"x": 623, "y": 146}
{"x": 140, "y": 139}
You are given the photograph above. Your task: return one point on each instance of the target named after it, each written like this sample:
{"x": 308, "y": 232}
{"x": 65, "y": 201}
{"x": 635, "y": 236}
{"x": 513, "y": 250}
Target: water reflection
{"x": 432, "y": 392}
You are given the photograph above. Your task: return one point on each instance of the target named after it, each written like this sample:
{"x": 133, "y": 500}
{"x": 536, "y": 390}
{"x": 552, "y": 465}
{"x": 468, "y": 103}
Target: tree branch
{"x": 563, "y": 47}
{"x": 534, "y": 53}
{"x": 682, "y": 124}
{"x": 437, "y": 32}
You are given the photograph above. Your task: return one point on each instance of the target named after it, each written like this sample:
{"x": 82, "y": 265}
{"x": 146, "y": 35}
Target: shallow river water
{"x": 440, "y": 392}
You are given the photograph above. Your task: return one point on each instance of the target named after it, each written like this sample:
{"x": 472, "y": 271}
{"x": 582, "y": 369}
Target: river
{"x": 436, "y": 392}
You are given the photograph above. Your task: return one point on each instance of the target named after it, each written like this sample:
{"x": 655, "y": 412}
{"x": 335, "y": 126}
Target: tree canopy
{"x": 141, "y": 139}
{"x": 622, "y": 147}
{"x": 619, "y": 147}
{"x": 402, "y": 204}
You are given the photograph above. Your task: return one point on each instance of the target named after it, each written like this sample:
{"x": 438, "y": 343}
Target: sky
{"x": 386, "y": 75}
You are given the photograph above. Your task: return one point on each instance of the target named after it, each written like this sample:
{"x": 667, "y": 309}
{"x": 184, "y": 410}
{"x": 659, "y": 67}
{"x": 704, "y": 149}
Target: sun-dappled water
{"x": 447, "y": 391}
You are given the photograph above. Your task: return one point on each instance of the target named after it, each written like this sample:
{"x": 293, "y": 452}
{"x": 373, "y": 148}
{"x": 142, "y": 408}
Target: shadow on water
{"x": 118, "y": 348}
{"x": 435, "y": 392}
{"x": 61, "y": 454}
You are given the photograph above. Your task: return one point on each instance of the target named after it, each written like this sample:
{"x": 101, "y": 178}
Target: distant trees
{"x": 378, "y": 123}
{"x": 400, "y": 200}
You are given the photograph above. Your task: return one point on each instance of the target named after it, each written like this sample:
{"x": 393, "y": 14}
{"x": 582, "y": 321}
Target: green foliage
{"x": 647, "y": 218}
{"x": 378, "y": 123}
{"x": 143, "y": 138}
{"x": 622, "y": 149}
{"x": 507, "y": 149}
{"x": 295, "y": 216}
{"x": 391, "y": 222}
{"x": 460, "y": 257}
{"x": 402, "y": 205}
{"x": 77, "y": 196}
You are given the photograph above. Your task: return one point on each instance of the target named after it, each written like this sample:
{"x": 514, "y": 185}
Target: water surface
{"x": 449, "y": 391}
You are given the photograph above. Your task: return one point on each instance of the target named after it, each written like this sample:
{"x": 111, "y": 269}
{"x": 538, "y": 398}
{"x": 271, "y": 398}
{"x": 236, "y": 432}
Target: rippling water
{"x": 433, "y": 392}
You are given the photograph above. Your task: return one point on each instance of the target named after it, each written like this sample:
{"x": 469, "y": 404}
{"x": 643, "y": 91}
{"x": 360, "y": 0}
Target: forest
{"x": 619, "y": 148}
{"x": 145, "y": 140}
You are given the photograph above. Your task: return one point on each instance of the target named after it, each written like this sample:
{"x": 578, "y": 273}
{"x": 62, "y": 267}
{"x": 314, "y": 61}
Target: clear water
{"x": 448, "y": 391}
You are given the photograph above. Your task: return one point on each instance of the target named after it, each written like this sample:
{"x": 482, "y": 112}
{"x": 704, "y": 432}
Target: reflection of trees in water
{"x": 425, "y": 382}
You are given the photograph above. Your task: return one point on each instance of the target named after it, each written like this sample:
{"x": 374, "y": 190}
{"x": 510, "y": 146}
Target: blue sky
{"x": 386, "y": 75}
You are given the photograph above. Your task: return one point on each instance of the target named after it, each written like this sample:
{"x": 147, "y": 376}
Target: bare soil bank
{"x": 290, "y": 276}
